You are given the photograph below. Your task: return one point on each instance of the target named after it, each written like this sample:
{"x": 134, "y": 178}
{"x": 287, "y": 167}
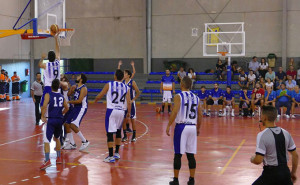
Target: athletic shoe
{"x": 173, "y": 182}
{"x": 66, "y": 143}
{"x": 220, "y": 114}
{"x": 45, "y": 165}
{"x": 84, "y": 145}
{"x": 232, "y": 114}
{"x": 69, "y": 147}
{"x": 124, "y": 139}
{"x": 278, "y": 116}
{"x": 293, "y": 116}
{"x": 133, "y": 139}
{"x": 224, "y": 115}
{"x": 59, "y": 160}
{"x": 253, "y": 114}
{"x": 128, "y": 130}
{"x": 204, "y": 114}
{"x": 109, "y": 159}
{"x": 191, "y": 181}
{"x": 117, "y": 156}
{"x": 240, "y": 114}
{"x": 287, "y": 116}
{"x": 208, "y": 114}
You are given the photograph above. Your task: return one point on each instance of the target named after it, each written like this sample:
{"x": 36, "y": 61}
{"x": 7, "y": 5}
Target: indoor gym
{"x": 154, "y": 35}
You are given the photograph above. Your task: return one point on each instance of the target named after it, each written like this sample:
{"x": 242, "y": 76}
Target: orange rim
{"x": 223, "y": 53}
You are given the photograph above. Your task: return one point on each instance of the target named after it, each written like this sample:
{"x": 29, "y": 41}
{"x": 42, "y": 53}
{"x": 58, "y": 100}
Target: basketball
{"x": 54, "y": 29}
{"x": 157, "y": 109}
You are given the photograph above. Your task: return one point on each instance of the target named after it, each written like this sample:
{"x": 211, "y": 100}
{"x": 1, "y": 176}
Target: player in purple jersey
{"x": 203, "y": 95}
{"x": 228, "y": 102}
{"x": 56, "y": 106}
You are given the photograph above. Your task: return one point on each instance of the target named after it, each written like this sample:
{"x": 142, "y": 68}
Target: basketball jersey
{"x": 188, "y": 112}
{"x": 242, "y": 95}
{"x": 116, "y": 96}
{"x": 65, "y": 95}
{"x": 296, "y": 96}
{"x": 51, "y": 72}
{"x": 84, "y": 103}
{"x": 167, "y": 82}
{"x": 204, "y": 95}
{"x": 131, "y": 89}
{"x": 56, "y": 105}
{"x": 228, "y": 96}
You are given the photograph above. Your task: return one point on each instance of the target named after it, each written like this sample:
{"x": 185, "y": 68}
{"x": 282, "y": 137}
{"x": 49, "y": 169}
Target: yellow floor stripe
{"x": 232, "y": 157}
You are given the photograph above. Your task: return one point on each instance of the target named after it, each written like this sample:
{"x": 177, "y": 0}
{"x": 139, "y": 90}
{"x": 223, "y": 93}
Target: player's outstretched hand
{"x": 73, "y": 88}
{"x": 294, "y": 177}
{"x": 168, "y": 130}
{"x": 132, "y": 63}
{"x": 120, "y": 62}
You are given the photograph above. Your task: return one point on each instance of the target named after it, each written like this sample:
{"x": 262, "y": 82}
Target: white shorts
{"x": 113, "y": 120}
{"x": 228, "y": 102}
{"x": 185, "y": 139}
{"x": 167, "y": 96}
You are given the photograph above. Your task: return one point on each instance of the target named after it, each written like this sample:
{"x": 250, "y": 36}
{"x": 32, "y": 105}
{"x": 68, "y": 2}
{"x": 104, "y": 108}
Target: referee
{"x": 273, "y": 145}
{"x": 36, "y": 94}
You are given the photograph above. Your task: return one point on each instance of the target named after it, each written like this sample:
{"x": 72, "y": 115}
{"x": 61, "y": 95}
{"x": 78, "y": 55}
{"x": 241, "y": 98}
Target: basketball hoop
{"x": 65, "y": 36}
{"x": 222, "y": 55}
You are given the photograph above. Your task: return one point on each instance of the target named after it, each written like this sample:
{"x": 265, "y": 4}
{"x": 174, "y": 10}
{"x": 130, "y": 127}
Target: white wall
{"x": 13, "y": 47}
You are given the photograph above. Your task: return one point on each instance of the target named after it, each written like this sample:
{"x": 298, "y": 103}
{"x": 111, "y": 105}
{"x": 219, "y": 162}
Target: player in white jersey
{"x": 117, "y": 101}
{"x": 134, "y": 94}
{"x": 51, "y": 68}
{"x": 187, "y": 114}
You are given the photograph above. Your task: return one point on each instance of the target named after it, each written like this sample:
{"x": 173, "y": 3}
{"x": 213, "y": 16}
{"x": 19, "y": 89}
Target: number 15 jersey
{"x": 116, "y": 96}
{"x": 51, "y": 72}
{"x": 188, "y": 112}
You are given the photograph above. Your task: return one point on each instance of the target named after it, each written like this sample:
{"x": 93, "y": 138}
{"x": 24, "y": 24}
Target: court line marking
{"x": 14, "y": 141}
{"x": 232, "y": 157}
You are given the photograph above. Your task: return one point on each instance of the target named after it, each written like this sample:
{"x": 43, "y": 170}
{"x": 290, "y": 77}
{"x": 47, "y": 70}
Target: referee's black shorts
{"x": 279, "y": 175}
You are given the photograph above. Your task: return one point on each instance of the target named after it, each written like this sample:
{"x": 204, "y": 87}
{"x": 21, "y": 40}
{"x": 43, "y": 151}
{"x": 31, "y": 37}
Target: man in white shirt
{"x": 254, "y": 66}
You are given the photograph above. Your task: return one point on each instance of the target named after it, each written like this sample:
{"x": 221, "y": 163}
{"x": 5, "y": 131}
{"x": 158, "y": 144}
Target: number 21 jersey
{"x": 116, "y": 96}
{"x": 188, "y": 112}
{"x": 51, "y": 72}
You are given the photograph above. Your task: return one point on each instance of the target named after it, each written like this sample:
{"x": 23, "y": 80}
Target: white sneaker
{"x": 224, "y": 114}
{"x": 293, "y": 116}
{"x": 278, "y": 116}
{"x": 117, "y": 156}
{"x": 287, "y": 116}
{"x": 69, "y": 146}
{"x": 232, "y": 114}
{"x": 109, "y": 159}
{"x": 84, "y": 145}
{"x": 66, "y": 143}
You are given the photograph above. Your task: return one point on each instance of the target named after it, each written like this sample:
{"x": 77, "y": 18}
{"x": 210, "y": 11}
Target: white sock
{"x": 81, "y": 136}
{"x": 232, "y": 111}
{"x": 204, "y": 110}
{"x": 70, "y": 136}
{"x": 224, "y": 110}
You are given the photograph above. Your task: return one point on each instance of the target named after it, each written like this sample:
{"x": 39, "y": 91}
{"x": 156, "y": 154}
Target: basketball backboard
{"x": 224, "y": 37}
{"x": 48, "y": 12}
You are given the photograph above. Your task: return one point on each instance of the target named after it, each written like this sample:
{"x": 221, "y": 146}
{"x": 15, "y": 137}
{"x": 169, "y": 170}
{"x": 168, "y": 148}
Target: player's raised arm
{"x": 119, "y": 64}
{"x": 102, "y": 93}
{"x": 41, "y": 64}
{"x": 72, "y": 90}
{"x": 133, "y": 69}
{"x": 175, "y": 110}
{"x": 57, "y": 48}
{"x": 137, "y": 91}
{"x": 44, "y": 107}
{"x": 83, "y": 94}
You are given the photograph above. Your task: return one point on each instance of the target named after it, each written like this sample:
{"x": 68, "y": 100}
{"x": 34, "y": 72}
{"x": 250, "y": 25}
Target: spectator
{"x": 251, "y": 79}
{"x": 254, "y": 66}
{"x": 181, "y": 73}
{"x": 292, "y": 72}
{"x": 245, "y": 102}
{"x": 215, "y": 98}
{"x": 257, "y": 97}
{"x": 219, "y": 70}
{"x": 263, "y": 67}
{"x": 72, "y": 80}
{"x": 234, "y": 67}
{"x": 296, "y": 100}
{"x": 270, "y": 74}
{"x": 298, "y": 76}
{"x": 203, "y": 96}
{"x": 262, "y": 83}
{"x": 242, "y": 79}
{"x": 280, "y": 77}
{"x": 192, "y": 75}
{"x": 269, "y": 83}
{"x": 290, "y": 83}
{"x": 291, "y": 62}
{"x": 283, "y": 100}
{"x": 270, "y": 96}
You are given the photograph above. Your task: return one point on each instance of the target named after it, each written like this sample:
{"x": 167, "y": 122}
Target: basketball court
{"x": 153, "y": 37}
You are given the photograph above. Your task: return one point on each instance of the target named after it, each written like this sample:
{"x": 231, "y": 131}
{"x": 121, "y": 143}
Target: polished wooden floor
{"x": 224, "y": 149}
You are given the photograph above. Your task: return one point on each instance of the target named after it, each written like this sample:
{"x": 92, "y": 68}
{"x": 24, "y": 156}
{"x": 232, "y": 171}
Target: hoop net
{"x": 222, "y": 55}
{"x": 65, "y": 36}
